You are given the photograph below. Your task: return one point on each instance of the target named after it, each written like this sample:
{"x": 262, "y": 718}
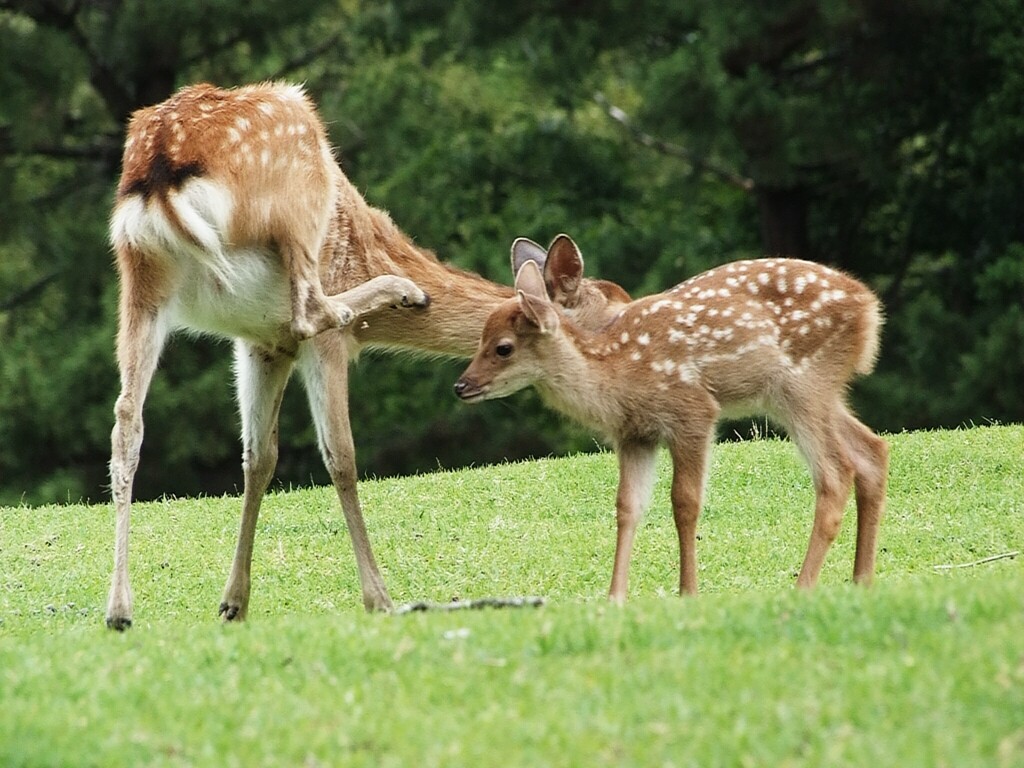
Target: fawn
{"x": 782, "y": 337}
{"x": 233, "y": 218}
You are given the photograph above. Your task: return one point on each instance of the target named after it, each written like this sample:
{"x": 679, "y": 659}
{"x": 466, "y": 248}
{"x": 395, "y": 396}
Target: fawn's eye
{"x": 503, "y": 350}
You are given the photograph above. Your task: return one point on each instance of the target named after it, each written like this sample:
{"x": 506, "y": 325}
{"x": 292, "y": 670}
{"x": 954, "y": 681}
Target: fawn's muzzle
{"x": 466, "y": 389}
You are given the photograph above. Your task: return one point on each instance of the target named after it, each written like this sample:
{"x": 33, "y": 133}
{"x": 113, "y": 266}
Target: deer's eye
{"x": 503, "y": 350}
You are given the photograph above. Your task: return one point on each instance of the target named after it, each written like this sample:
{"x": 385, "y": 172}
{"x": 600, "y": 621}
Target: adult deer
{"x": 233, "y": 218}
{"x": 776, "y": 336}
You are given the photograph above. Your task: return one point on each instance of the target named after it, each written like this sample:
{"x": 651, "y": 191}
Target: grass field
{"x": 924, "y": 669}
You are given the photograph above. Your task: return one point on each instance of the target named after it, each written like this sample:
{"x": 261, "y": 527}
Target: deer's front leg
{"x": 324, "y": 367}
{"x": 261, "y": 377}
{"x": 689, "y": 477}
{"x": 636, "y": 479}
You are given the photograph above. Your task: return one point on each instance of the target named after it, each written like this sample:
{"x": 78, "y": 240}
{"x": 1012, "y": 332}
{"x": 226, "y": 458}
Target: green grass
{"x": 926, "y": 668}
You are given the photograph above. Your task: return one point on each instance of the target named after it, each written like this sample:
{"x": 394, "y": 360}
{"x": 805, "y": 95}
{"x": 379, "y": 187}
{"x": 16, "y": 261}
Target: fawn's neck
{"x": 584, "y": 379}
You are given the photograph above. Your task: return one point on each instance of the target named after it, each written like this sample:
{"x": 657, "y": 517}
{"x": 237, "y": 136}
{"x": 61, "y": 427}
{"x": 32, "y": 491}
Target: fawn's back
{"x": 748, "y": 331}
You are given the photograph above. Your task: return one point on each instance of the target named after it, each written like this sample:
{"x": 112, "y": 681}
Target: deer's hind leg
{"x": 870, "y": 455}
{"x": 312, "y": 312}
{"x": 141, "y": 334}
{"x": 815, "y": 428}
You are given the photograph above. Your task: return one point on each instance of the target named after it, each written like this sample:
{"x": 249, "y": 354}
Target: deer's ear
{"x": 539, "y": 311}
{"x": 563, "y": 268}
{"x": 529, "y": 280}
{"x": 524, "y": 250}
{"x": 533, "y": 298}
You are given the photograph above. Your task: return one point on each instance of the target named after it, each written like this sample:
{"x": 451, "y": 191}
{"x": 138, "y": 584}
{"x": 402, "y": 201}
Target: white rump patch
{"x": 204, "y": 209}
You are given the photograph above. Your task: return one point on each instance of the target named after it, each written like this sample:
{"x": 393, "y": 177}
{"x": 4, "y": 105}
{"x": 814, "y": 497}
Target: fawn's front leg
{"x": 689, "y": 477}
{"x": 636, "y": 479}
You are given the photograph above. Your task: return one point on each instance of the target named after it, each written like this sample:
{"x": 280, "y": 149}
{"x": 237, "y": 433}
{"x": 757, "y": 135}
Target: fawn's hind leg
{"x": 870, "y": 455}
{"x": 815, "y": 430}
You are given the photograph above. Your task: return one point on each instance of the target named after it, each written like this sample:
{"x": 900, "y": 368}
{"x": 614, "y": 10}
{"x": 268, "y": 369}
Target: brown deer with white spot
{"x": 232, "y": 218}
{"x": 780, "y": 337}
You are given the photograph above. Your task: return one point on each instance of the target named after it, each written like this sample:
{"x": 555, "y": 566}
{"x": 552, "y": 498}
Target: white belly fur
{"x": 256, "y": 307}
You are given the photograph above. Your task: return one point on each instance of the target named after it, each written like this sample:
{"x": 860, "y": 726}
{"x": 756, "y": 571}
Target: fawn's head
{"x": 514, "y": 350}
{"x": 591, "y": 303}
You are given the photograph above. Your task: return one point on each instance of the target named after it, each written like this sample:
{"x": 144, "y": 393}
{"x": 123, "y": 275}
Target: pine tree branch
{"x": 25, "y": 295}
{"x": 673, "y": 150}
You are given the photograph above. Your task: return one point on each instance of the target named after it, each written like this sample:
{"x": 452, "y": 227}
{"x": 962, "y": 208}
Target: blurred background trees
{"x": 884, "y": 138}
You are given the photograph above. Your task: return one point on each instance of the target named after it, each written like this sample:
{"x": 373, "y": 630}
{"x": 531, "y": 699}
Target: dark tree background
{"x": 884, "y": 138}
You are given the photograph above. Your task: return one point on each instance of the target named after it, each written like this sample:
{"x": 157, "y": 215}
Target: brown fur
{"x": 232, "y": 218}
{"x": 776, "y": 336}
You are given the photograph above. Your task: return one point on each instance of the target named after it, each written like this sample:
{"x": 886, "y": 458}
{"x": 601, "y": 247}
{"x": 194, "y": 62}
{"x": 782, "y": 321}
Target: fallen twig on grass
{"x": 983, "y": 560}
{"x": 483, "y": 602}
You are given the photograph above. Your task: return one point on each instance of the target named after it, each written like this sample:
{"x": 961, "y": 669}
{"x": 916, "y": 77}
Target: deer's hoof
{"x": 230, "y": 612}
{"x": 119, "y": 623}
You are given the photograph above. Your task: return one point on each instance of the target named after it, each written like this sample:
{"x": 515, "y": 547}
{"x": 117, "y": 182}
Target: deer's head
{"x": 517, "y": 341}
{"x": 591, "y": 303}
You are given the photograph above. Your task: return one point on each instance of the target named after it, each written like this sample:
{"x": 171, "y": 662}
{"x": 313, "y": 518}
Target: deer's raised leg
{"x": 261, "y": 377}
{"x": 312, "y": 311}
{"x": 324, "y": 369}
{"x": 381, "y": 291}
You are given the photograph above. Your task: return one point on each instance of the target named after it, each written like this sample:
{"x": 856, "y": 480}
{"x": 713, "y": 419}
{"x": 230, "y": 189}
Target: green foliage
{"x": 884, "y": 138}
{"x": 924, "y": 668}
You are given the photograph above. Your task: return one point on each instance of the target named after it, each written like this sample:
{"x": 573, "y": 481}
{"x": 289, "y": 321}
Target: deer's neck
{"x": 584, "y": 381}
{"x": 369, "y": 244}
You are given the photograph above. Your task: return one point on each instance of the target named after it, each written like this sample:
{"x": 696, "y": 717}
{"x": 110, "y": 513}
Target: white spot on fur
{"x": 688, "y": 373}
{"x": 643, "y": 339}
{"x": 624, "y": 338}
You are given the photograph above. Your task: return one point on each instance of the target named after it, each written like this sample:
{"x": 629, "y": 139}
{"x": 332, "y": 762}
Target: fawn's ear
{"x": 533, "y": 298}
{"x": 524, "y": 250}
{"x": 563, "y": 269}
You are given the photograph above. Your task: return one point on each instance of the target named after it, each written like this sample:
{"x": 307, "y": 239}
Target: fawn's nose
{"x": 460, "y": 387}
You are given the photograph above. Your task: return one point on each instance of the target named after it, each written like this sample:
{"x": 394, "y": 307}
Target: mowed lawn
{"x": 926, "y": 668}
